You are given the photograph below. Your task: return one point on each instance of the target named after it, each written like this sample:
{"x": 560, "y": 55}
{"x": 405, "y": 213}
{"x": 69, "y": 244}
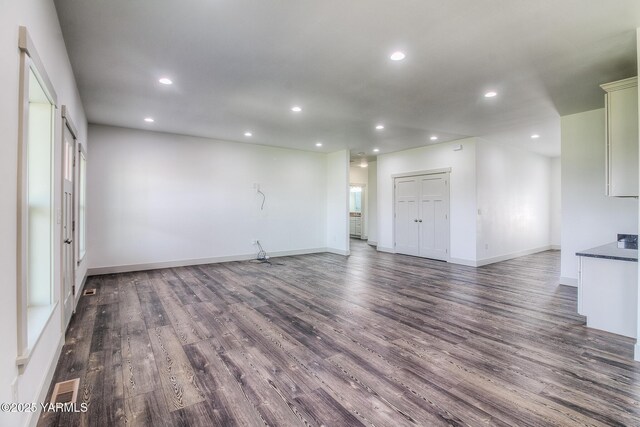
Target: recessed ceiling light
{"x": 296, "y": 109}
{"x": 149, "y": 119}
{"x": 535, "y": 136}
{"x": 434, "y": 138}
{"x": 363, "y": 165}
{"x": 490, "y": 94}
{"x": 397, "y": 56}
{"x": 165, "y": 81}
{"x": 318, "y": 144}
{"x": 248, "y": 133}
{"x": 375, "y": 150}
{"x": 379, "y": 127}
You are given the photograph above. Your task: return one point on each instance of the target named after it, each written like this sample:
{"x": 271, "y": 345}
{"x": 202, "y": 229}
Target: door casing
{"x": 416, "y": 174}
{"x": 68, "y": 220}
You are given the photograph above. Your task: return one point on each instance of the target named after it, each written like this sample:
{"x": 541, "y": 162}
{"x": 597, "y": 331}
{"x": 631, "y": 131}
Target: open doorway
{"x": 357, "y": 211}
{"x": 363, "y": 202}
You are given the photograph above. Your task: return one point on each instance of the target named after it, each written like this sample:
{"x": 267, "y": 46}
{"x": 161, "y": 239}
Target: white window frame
{"x": 30, "y": 61}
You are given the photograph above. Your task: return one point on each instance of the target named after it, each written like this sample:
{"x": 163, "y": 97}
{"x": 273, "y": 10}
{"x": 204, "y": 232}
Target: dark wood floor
{"x": 370, "y": 339}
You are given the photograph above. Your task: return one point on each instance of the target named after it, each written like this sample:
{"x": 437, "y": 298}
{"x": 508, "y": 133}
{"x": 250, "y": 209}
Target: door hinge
{"x": 73, "y": 289}
{"x": 73, "y": 225}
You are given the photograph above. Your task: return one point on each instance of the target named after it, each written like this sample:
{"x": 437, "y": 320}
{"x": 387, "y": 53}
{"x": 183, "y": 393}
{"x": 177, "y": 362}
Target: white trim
{"x": 555, "y": 247}
{"x": 620, "y": 84}
{"x": 199, "y": 261}
{"x": 447, "y": 173}
{"x": 25, "y": 44}
{"x": 80, "y": 155}
{"x": 487, "y": 261}
{"x": 79, "y": 291}
{"x": 492, "y": 260}
{"x": 569, "y": 281}
{"x": 33, "y": 417}
{"x": 636, "y": 352}
{"x": 335, "y": 251}
{"x": 30, "y": 62}
{"x": 22, "y": 360}
{"x": 372, "y": 243}
{"x": 66, "y": 116}
{"x": 418, "y": 173}
{"x": 462, "y": 261}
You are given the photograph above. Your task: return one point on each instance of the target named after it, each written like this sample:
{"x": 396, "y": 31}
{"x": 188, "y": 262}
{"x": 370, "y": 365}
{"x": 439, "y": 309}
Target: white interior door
{"x": 68, "y": 252}
{"x": 433, "y": 219}
{"x": 407, "y": 239}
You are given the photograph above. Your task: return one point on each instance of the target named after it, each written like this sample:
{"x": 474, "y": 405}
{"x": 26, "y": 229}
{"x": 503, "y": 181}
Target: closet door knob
{"x": 415, "y": 220}
{"x": 419, "y": 220}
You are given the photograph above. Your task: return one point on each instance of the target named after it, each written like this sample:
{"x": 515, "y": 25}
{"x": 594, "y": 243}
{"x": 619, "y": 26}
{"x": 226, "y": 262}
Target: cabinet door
{"x": 622, "y": 142}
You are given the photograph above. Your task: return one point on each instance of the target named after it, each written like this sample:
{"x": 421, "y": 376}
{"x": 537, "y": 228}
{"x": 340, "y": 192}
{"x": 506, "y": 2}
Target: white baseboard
{"x": 33, "y": 417}
{"x": 386, "y": 249}
{"x": 95, "y": 271}
{"x": 505, "y": 257}
{"x": 569, "y": 281}
{"x": 486, "y": 261}
{"x": 337, "y": 251}
{"x": 372, "y": 243}
{"x": 462, "y": 261}
{"x": 79, "y": 291}
{"x": 556, "y": 247}
{"x": 636, "y": 352}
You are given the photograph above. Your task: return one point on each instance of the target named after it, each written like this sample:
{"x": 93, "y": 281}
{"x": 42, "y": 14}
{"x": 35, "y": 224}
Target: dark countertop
{"x": 611, "y": 251}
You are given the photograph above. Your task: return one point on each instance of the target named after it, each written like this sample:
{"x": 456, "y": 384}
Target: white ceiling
{"x": 240, "y": 65}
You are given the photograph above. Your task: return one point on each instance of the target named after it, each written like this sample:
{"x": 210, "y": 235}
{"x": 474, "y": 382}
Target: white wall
{"x": 161, "y": 198}
{"x": 337, "y": 212}
{"x": 589, "y": 217}
{"x": 555, "y": 192}
{"x": 372, "y": 216}
{"x": 39, "y": 16}
{"x": 358, "y": 175}
{"x": 462, "y": 192}
{"x": 513, "y": 202}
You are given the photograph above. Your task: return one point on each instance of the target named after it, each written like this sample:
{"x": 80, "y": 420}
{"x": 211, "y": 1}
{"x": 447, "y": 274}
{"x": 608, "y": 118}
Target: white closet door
{"x": 406, "y": 216}
{"x": 433, "y": 220}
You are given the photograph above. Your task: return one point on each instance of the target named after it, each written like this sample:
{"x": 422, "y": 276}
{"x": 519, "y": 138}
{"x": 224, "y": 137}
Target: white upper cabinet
{"x": 621, "y": 103}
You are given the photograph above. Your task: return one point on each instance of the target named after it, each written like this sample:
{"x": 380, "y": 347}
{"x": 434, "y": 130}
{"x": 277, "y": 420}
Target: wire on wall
{"x": 264, "y": 199}
{"x": 262, "y": 255}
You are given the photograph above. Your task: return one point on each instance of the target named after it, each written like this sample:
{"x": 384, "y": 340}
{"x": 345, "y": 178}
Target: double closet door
{"x": 422, "y": 215}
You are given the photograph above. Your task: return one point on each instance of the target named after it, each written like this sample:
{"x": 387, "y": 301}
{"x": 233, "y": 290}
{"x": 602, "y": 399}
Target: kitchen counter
{"x": 608, "y": 289}
{"x": 610, "y": 251}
